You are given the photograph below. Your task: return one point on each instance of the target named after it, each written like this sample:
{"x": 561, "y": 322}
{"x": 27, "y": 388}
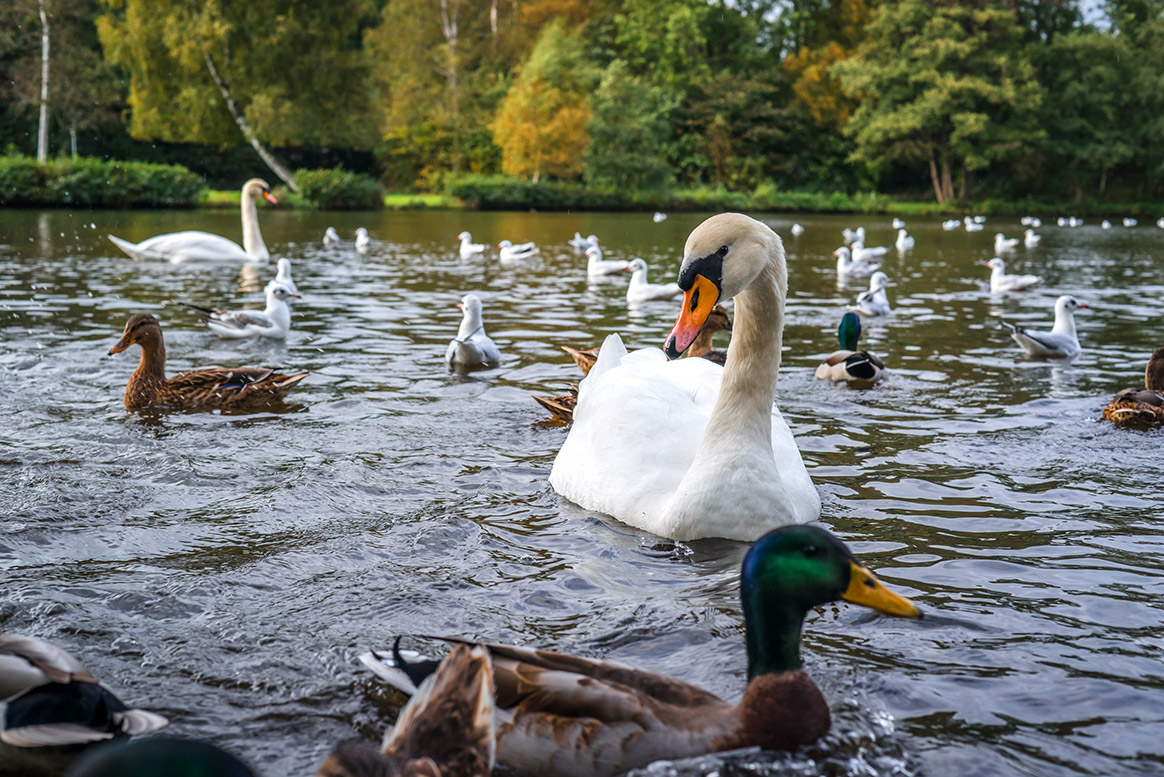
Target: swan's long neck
{"x": 252, "y": 239}
{"x": 744, "y": 407}
{"x": 1064, "y": 322}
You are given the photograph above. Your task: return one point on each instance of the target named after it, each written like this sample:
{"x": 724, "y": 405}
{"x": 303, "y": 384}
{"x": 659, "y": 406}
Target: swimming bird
{"x": 972, "y": 225}
{"x": 582, "y": 243}
{"x": 469, "y": 249}
{"x": 659, "y": 217}
{"x": 195, "y": 246}
{"x": 566, "y": 716}
{"x": 1105, "y": 224}
{"x": 1004, "y": 244}
{"x": 1061, "y": 221}
{"x": 847, "y": 267}
{"x": 447, "y": 729}
{"x": 1061, "y": 342}
{"x": 849, "y": 364}
{"x": 1030, "y": 239}
{"x": 1160, "y": 222}
{"x": 516, "y": 253}
{"x": 213, "y": 388}
{"x": 951, "y": 224}
{"x": 1141, "y": 408}
{"x": 874, "y": 301}
{"x": 979, "y": 219}
{"x": 562, "y": 407}
{"x": 898, "y": 224}
{"x": 283, "y": 277}
{"x": 1000, "y": 281}
{"x": 330, "y": 237}
{"x": 640, "y": 290}
{"x": 596, "y": 267}
{"x": 158, "y": 756}
{"x": 863, "y": 254}
{"x": 1130, "y": 222}
{"x": 363, "y": 239}
{"x": 472, "y": 349}
{"x": 904, "y": 241}
{"x": 274, "y": 322}
{"x": 48, "y": 698}
{"x": 1035, "y": 223}
{"x": 669, "y": 446}
{"x": 797, "y": 230}
{"x": 854, "y": 235}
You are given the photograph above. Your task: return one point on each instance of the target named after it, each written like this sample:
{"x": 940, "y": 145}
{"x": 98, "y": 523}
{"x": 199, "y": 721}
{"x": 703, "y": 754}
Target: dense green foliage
{"x": 620, "y": 100}
{"x": 340, "y": 189}
{"x": 95, "y": 183}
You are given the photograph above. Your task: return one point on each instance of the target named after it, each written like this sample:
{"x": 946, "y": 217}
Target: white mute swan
{"x": 472, "y": 349}
{"x": 1000, "y": 281}
{"x": 195, "y": 246}
{"x": 1061, "y": 342}
{"x": 273, "y": 322}
{"x": 469, "y": 249}
{"x": 640, "y": 290}
{"x": 688, "y": 449}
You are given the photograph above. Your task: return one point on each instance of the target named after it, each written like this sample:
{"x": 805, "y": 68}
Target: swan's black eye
{"x": 723, "y": 250}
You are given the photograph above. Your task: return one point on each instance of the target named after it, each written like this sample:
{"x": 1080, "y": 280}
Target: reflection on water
{"x": 225, "y": 570}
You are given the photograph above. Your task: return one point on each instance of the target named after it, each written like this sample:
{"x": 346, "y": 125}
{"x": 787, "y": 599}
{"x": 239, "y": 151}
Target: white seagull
{"x": 363, "y": 241}
{"x": 330, "y": 237}
{"x": 1004, "y": 244}
{"x": 1105, "y": 224}
{"x": 640, "y": 290}
{"x": 854, "y": 235}
{"x": 1000, "y": 281}
{"x": 950, "y": 225}
{"x": 904, "y": 241}
{"x": 1030, "y": 239}
{"x": 283, "y": 276}
{"x": 1061, "y": 342}
{"x": 972, "y": 225}
{"x": 1130, "y": 222}
{"x": 596, "y": 267}
{"x": 472, "y": 349}
{"x": 849, "y": 267}
{"x": 274, "y": 322}
{"x": 874, "y": 301}
{"x": 469, "y": 249}
{"x": 515, "y": 253}
{"x": 898, "y": 224}
{"x": 582, "y": 243}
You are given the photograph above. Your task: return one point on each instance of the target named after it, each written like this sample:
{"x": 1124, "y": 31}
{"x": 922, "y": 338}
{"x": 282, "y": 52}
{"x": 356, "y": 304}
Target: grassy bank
{"x": 217, "y": 198}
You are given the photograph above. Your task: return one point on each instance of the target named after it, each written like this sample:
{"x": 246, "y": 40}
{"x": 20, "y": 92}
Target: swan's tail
{"x": 609, "y": 356}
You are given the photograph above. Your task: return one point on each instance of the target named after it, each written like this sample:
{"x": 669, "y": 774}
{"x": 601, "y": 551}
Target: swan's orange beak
{"x": 698, "y": 303}
{"x": 270, "y": 197}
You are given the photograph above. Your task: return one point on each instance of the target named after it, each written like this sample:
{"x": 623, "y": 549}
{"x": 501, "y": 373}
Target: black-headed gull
{"x": 1000, "y": 281}
{"x": 1061, "y": 342}
{"x": 330, "y": 237}
{"x": 469, "y": 249}
{"x": 1004, "y": 244}
{"x": 640, "y": 290}
{"x": 597, "y": 267}
{"x": 848, "y": 267}
{"x": 874, "y": 301}
{"x": 273, "y": 322}
{"x": 472, "y": 349}
{"x": 363, "y": 240}
{"x": 515, "y": 253}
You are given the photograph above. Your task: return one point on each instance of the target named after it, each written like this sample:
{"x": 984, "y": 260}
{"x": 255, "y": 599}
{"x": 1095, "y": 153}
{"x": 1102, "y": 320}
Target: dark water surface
{"x": 226, "y": 570}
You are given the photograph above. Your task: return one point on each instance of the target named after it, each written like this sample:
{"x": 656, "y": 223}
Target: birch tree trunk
{"x": 42, "y": 133}
{"x": 267, "y": 157}
{"x": 449, "y": 28}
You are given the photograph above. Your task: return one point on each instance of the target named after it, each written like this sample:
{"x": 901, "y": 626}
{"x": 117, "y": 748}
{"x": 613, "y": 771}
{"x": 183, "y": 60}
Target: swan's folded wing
{"x": 190, "y": 246}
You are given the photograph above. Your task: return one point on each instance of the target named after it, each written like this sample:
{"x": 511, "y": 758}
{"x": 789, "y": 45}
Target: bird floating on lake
{"x": 330, "y": 237}
{"x": 564, "y": 716}
{"x": 1105, "y": 224}
{"x": 1030, "y": 239}
{"x": 469, "y": 249}
{"x": 854, "y": 235}
{"x": 48, "y": 698}
{"x": 283, "y": 276}
{"x": 1061, "y": 342}
{"x": 1000, "y": 281}
{"x": 898, "y": 224}
{"x": 516, "y": 253}
{"x": 582, "y": 243}
{"x": 196, "y": 246}
{"x": 670, "y": 446}
{"x": 1141, "y": 408}
{"x": 597, "y": 267}
{"x": 659, "y": 217}
{"x": 273, "y": 322}
{"x": 641, "y": 290}
{"x": 363, "y": 240}
{"x": 848, "y": 267}
{"x": 874, "y": 301}
{"x": 904, "y": 240}
{"x": 213, "y": 388}
{"x": 1004, "y": 244}
{"x": 971, "y": 225}
{"x": 951, "y": 224}
{"x": 797, "y": 230}
{"x": 849, "y": 364}
{"x": 1130, "y": 222}
{"x": 472, "y": 349}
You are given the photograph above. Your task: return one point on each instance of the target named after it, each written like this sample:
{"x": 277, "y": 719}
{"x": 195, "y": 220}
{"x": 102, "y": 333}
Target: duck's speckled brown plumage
{"x": 562, "y": 408}
{"x": 445, "y": 731}
{"x": 213, "y": 388}
{"x": 1141, "y": 408}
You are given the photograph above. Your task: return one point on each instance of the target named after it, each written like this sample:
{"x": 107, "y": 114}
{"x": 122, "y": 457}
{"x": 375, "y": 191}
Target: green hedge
{"x": 339, "y": 189}
{"x": 96, "y": 183}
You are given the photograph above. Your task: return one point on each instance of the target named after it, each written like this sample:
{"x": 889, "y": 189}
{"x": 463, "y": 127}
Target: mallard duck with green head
{"x": 849, "y": 364}
{"x": 569, "y": 716}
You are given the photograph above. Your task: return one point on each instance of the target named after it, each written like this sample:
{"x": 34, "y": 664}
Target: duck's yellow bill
{"x": 865, "y": 589}
{"x": 698, "y": 303}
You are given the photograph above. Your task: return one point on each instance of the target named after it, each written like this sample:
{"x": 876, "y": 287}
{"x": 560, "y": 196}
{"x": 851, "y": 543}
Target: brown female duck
{"x": 562, "y": 408}
{"x": 1141, "y": 408}
{"x": 213, "y": 388}
{"x": 446, "y": 730}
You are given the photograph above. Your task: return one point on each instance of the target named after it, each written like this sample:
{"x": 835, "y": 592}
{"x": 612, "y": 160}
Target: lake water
{"x": 226, "y": 570}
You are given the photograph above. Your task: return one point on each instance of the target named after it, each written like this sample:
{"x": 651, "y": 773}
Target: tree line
{"x": 1055, "y": 99}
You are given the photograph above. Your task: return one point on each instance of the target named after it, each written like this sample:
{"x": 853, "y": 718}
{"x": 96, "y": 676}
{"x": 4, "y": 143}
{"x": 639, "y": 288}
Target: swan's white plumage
{"x": 644, "y": 449}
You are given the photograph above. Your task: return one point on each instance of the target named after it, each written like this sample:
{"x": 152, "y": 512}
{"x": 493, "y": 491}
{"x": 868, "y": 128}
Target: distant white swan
{"x": 898, "y": 224}
{"x": 195, "y": 246}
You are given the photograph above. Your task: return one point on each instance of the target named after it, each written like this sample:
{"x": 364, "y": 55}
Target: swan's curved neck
{"x": 744, "y": 406}
{"x": 252, "y": 239}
